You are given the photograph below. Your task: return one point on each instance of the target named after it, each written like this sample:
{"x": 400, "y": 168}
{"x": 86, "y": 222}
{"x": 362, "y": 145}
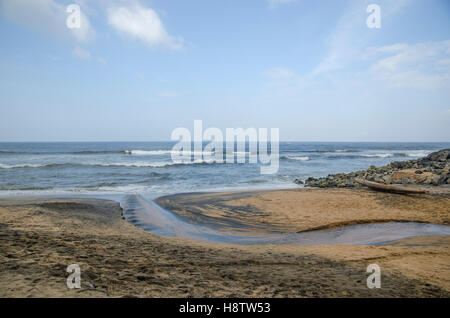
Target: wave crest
{"x": 296, "y": 158}
{"x": 114, "y": 164}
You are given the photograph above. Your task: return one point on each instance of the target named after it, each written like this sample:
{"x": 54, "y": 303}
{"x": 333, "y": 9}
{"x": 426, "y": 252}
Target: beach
{"x": 225, "y": 150}
{"x": 41, "y": 237}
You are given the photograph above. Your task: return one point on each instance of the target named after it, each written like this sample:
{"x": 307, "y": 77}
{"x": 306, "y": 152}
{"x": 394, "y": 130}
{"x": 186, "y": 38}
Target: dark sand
{"x": 40, "y": 238}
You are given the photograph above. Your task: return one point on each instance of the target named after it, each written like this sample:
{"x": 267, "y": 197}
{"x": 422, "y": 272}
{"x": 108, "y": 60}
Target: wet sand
{"x": 40, "y": 238}
{"x": 206, "y": 227}
{"x": 300, "y": 210}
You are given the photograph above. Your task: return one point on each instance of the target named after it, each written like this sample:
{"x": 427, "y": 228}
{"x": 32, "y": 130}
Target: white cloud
{"x": 81, "y": 53}
{"x": 421, "y": 65}
{"x": 351, "y": 36}
{"x": 85, "y": 32}
{"x": 409, "y": 55}
{"x": 143, "y": 24}
{"x": 46, "y": 16}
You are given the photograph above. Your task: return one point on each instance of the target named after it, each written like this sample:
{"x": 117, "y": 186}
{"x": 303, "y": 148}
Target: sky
{"x": 136, "y": 70}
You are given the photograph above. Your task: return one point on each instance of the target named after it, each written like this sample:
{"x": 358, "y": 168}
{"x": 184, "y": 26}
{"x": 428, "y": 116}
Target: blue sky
{"x": 136, "y": 70}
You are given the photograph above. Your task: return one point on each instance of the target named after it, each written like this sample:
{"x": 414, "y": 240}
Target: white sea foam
{"x": 152, "y": 164}
{"x": 165, "y": 152}
{"x": 141, "y": 164}
{"x": 296, "y": 158}
{"x": 169, "y": 152}
{"x": 9, "y": 166}
{"x": 147, "y": 152}
{"x": 399, "y": 153}
{"x": 418, "y": 153}
{"x": 379, "y": 155}
{"x": 131, "y": 188}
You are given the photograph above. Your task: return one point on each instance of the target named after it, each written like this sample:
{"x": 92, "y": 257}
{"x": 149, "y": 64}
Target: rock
{"x": 378, "y": 179}
{"x": 441, "y": 156}
{"x": 435, "y": 180}
{"x": 406, "y": 181}
{"x": 443, "y": 178}
{"x": 422, "y": 179}
{"x": 427, "y": 180}
{"x": 433, "y": 169}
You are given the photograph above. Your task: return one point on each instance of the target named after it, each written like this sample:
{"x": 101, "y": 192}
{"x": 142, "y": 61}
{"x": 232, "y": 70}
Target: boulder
{"x": 433, "y": 169}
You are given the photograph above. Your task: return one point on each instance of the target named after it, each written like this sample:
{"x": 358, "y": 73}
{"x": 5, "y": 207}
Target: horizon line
{"x": 281, "y": 141}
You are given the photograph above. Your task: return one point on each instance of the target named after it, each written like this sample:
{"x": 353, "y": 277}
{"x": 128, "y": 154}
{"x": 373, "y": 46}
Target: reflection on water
{"x": 151, "y": 217}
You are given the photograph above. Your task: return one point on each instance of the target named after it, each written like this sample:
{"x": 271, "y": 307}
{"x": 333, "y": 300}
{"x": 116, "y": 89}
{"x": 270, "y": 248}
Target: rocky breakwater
{"x": 430, "y": 170}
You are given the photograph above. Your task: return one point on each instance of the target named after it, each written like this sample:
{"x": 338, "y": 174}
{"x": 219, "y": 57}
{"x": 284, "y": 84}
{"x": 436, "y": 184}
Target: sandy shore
{"x": 40, "y": 238}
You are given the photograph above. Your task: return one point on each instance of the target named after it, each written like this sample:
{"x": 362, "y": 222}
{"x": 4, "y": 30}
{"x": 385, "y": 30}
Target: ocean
{"x": 105, "y": 169}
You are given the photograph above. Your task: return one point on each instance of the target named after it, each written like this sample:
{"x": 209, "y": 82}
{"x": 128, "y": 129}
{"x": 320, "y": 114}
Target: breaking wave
{"x": 184, "y": 153}
{"x": 296, "y": 158}
{"x": 117, "y": 164}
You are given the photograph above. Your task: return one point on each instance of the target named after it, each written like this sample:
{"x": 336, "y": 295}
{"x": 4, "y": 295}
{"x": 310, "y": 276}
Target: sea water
{"x": 146, "y": 168}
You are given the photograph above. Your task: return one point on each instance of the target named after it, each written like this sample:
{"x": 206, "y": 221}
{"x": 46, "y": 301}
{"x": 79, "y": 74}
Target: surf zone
{"x": 241, "y": 145}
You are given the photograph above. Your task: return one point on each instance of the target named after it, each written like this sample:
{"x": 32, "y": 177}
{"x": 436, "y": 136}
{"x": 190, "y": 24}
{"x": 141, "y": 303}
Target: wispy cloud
{"x": 421, "y": 65}
{"x": 46, "y": 16}
{"x": 350, "y": 37}
{"x": 143, "y": 24}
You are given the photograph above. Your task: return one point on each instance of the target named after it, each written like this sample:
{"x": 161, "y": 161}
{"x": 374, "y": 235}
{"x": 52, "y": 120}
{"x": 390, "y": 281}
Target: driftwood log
{"x": 389, "y": 187}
